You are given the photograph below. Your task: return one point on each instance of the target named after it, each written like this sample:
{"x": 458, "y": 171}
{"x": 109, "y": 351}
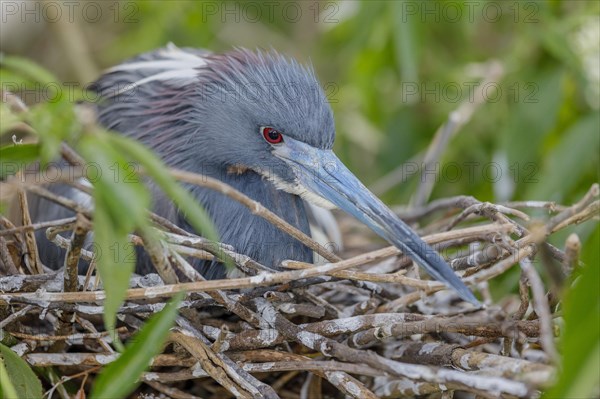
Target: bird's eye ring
{"x": 273, "y": 136}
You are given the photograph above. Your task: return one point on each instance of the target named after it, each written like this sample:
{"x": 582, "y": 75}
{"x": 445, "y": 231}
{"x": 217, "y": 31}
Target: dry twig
{"x": 276, "y": 333}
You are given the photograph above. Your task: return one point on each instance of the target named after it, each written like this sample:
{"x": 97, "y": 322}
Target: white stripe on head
{"x": 181, "y": 77}
{"x": 173, "y": 65}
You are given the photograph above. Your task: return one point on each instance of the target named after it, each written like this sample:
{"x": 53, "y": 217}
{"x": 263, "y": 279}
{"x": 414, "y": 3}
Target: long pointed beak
{"x": 322, "y": 173}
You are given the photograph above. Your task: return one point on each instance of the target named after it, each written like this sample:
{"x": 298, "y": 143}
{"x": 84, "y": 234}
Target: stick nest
{"x": 366, "y": 326}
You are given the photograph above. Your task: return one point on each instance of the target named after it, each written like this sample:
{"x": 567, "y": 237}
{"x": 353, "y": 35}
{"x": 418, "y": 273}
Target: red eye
{"x": 272, "y": 136}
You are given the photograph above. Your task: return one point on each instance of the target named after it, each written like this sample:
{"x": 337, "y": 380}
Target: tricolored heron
{"x": 261, "y": 123}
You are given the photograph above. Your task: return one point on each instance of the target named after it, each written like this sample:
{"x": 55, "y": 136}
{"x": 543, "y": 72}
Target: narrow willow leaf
{"x": 53, "y": 117}
{"x": 561, "y": 169}
{"x": 158, "y": 171}
{"x": 121, "y": 377}
{"x": 32, "y": 71}
{"x": 580, "y": 343}
{"x": 120, "y": 203}
{"x": 406, "y": 43}
{"x": 9, "y": 119}
{"x": 115, "y": 257}
{"x": 16, "y": 377}
{"x": 54, "y": 122}
{"x": 7, "y": 390}
{"x": 15, "y": 157}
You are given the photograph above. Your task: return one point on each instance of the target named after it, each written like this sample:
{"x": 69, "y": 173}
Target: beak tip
{"x": 469, "y": 297}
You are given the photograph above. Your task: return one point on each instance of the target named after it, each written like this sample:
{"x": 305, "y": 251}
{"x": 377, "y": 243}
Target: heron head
{"x": 270, "y": 115}
{"x": 252, "y": 101}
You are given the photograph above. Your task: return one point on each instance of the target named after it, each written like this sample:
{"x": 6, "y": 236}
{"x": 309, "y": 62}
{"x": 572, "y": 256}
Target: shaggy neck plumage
{"x": 247, "y": 233}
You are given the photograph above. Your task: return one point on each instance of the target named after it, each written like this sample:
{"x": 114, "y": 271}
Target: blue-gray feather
{"x": 203, "y": 116}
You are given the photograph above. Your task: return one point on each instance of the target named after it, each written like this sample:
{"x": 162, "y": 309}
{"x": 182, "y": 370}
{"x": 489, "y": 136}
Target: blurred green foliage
{"x": 580, "y": 345}
{"x": 393, "y": 71}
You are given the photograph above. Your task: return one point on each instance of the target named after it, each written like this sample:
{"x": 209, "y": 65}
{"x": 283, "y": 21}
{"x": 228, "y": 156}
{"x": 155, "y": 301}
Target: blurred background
{"x": 393, "y": 72}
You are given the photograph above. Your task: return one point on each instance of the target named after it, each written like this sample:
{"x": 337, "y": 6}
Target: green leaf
{"x": 7, "y": 390}
{"x": 120, "y": 202}
{"x": 556, "y": 38}
{"x": 15, "y": 82}
{"x": 15, "y": 157}
{"x": 406, "y": 43}
{"x": 8, "y": 119}
{"x": 158, "y": 171}
{"x": 53, "y": 117}
{"x": 16, "y": 377}
{"x": 31, "y": 71}
{"x": 574, "y": 154}
{"x": 580, "y": 344}
{"x": 532, "y": 116}
{"x": 120, "y": 378}
{"x": 115, "y": 261}
{"x": 54, "y": 122}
